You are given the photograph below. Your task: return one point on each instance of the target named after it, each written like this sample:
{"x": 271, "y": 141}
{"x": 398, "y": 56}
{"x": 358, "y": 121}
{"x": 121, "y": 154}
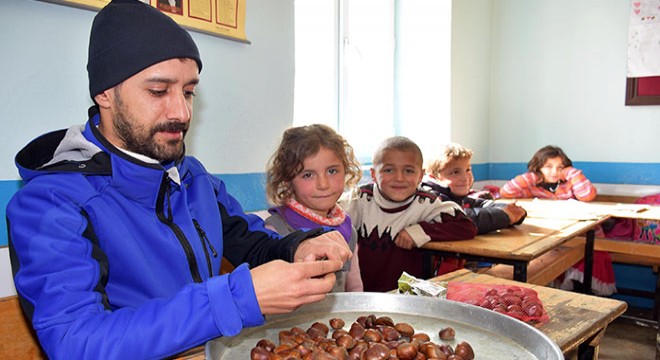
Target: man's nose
{"x": 179, "y": 108}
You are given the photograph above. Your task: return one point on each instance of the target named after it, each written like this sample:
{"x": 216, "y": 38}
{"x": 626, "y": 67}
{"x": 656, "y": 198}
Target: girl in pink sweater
{"x": 552, "y": 176}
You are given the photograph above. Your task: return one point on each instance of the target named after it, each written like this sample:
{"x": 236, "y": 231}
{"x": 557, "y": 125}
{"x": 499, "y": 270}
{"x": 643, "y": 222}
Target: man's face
{"x": 151, "y": 111}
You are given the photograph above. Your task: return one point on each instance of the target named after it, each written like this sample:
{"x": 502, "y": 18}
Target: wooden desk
{"x": 521, "y": 244}
{"x": 573, "y": 209}
{"x": 577, "y": 321}
{"x": 629, "y": 211}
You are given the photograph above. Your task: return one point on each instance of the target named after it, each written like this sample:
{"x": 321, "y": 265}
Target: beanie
{"x": 127, "y": 37}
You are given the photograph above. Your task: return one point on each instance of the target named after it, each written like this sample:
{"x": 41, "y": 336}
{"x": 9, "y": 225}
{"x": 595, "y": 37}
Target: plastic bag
{"x": 408, "y": 284}
{"x": 516, "y": 301}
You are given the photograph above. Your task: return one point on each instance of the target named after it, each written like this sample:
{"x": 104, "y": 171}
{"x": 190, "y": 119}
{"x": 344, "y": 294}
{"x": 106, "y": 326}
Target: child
{"x": 307, "y": 174}
{"x": 450, "y": 177}
{"x": 552, "y": 176}
{"x": 394, "y": 217}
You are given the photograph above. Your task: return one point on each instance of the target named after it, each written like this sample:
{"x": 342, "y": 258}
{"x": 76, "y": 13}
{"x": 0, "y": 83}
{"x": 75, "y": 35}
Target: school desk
{"x": 519, "y": 245}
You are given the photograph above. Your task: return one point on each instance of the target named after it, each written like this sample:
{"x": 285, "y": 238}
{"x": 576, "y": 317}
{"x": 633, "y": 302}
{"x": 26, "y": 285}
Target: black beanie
{"x": 127, "y": 37}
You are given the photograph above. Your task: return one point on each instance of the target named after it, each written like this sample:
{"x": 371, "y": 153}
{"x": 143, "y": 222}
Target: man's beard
{"x": 139, "y": 139}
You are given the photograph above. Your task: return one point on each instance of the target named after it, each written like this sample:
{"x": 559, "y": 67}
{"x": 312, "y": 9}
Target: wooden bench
{"x": 548, "y": 266}
{"x": 17, "y": 340}
{"x": 628, "y": 252}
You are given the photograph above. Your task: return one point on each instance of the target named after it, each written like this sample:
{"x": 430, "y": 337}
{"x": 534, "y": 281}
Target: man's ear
{"x": 373, "y": 174}
{"x": 103, "y": 99}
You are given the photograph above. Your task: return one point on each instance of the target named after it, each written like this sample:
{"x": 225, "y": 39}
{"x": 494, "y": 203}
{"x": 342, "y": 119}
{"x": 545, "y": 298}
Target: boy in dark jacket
{"x": 450, "y": 177}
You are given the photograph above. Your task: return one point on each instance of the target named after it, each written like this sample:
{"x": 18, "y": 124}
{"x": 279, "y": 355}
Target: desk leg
{"x": 657, "y": 341}
{"x": 588, "y": 261}
{"x": 520, "y": 271}
{"x": 427, "y": 264}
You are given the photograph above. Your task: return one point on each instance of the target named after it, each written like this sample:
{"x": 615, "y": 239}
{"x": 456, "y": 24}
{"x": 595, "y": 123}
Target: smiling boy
{"x": 450, "y": 177}
{"x": 393, "y": 217}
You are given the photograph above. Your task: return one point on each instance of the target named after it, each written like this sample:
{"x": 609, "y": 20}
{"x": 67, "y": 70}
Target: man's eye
{"x": 189, "y": 94}
{"x": 333, "y": 171}
{"x": 306, "y": 175}
{"x": 158, "y": 92}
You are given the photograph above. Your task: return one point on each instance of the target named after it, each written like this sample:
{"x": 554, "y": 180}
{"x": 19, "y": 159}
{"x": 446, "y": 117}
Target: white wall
{"x": 558, "y": 71}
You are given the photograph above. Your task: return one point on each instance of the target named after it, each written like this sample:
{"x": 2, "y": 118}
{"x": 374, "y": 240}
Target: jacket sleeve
{"x": 59, "y": 275}
{"x": 488, "y": 219}
{"x": 519, "y": 187}
{"x": 581, "y": 186}
{"x": 246, "y": 239}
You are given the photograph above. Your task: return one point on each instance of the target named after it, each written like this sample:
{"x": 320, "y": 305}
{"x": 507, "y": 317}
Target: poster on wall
{"x": 644, "y": 39}
{"x": 223, "y": 18}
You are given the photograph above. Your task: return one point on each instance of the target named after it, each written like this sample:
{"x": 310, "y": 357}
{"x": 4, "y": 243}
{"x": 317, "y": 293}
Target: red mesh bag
{"x": 516, "y": 301}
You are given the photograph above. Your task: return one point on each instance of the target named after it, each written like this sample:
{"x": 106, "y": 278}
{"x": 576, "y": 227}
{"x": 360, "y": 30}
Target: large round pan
{"x": 492, "y": 335}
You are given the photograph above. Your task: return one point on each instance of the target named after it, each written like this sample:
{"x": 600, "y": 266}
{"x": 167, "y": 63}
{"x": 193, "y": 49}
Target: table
{"x": 518, "y": 245}
{"x": 569, "y": 208}
{"x": 577, "y": 321}
{"x": 573, "y": 209}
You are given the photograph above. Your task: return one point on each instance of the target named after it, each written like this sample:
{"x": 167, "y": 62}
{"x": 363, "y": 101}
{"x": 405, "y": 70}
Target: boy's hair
{"x": 398, "y": 143}
{"x": 299, "y": 143}
{"x": 543, "y": 154}
{"x": 448, "y": 153}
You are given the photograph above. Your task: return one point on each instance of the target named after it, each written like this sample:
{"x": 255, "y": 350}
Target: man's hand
{"x": 331, "y": 246}
{"x": 282, "y": 287}
{"x": 514, "y": 212}
{"x": 404, "y": 240}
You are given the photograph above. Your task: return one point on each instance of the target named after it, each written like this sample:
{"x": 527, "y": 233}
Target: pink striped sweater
{"x": 576, "y": 186}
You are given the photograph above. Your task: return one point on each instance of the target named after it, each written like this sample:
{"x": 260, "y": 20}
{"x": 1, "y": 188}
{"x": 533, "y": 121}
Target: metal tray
{"x": 492, "y": 335}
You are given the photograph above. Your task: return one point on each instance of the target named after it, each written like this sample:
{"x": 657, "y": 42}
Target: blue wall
{"x": 248, "y": 188}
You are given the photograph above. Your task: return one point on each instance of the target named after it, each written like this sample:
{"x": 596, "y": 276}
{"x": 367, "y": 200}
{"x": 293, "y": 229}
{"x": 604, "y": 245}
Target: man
{"x": 116, "y": 239}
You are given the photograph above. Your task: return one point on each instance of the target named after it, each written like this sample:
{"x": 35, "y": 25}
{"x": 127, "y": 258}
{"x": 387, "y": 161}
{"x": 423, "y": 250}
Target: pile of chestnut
{"x": 521, "y": 303}
{"x": 368, "y": 338}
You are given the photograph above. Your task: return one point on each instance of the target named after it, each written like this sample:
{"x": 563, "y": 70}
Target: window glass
{"x": 373, "y": 69}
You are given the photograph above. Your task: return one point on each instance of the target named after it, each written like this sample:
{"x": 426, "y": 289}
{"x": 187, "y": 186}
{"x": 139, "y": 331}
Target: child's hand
{"x": 514, "y": 212}
{"x": 404, "y": 240}
{"x": 564, "y": 173}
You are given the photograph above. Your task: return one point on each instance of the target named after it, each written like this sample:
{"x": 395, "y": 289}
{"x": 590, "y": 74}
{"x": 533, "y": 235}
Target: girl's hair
{"x": 448, "y": 153}
{"x": 543, "y": 154}
{"x": 298, "y": 144}
{"x": 398, "y": 143}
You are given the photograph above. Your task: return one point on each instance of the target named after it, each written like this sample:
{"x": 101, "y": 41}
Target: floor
{"x": 631, "y": 336}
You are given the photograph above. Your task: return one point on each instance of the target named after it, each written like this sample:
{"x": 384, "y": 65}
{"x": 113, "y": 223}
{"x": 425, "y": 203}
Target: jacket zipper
{"x": 169, "y": 221}
{"x": 205, "y": 241}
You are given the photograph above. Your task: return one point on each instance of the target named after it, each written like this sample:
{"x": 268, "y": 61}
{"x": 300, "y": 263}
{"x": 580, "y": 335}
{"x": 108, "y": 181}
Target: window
{"x": 373, "y": 69}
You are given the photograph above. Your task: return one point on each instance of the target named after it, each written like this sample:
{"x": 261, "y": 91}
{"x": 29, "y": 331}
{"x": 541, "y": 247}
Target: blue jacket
{"x": 113, "y": 259}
